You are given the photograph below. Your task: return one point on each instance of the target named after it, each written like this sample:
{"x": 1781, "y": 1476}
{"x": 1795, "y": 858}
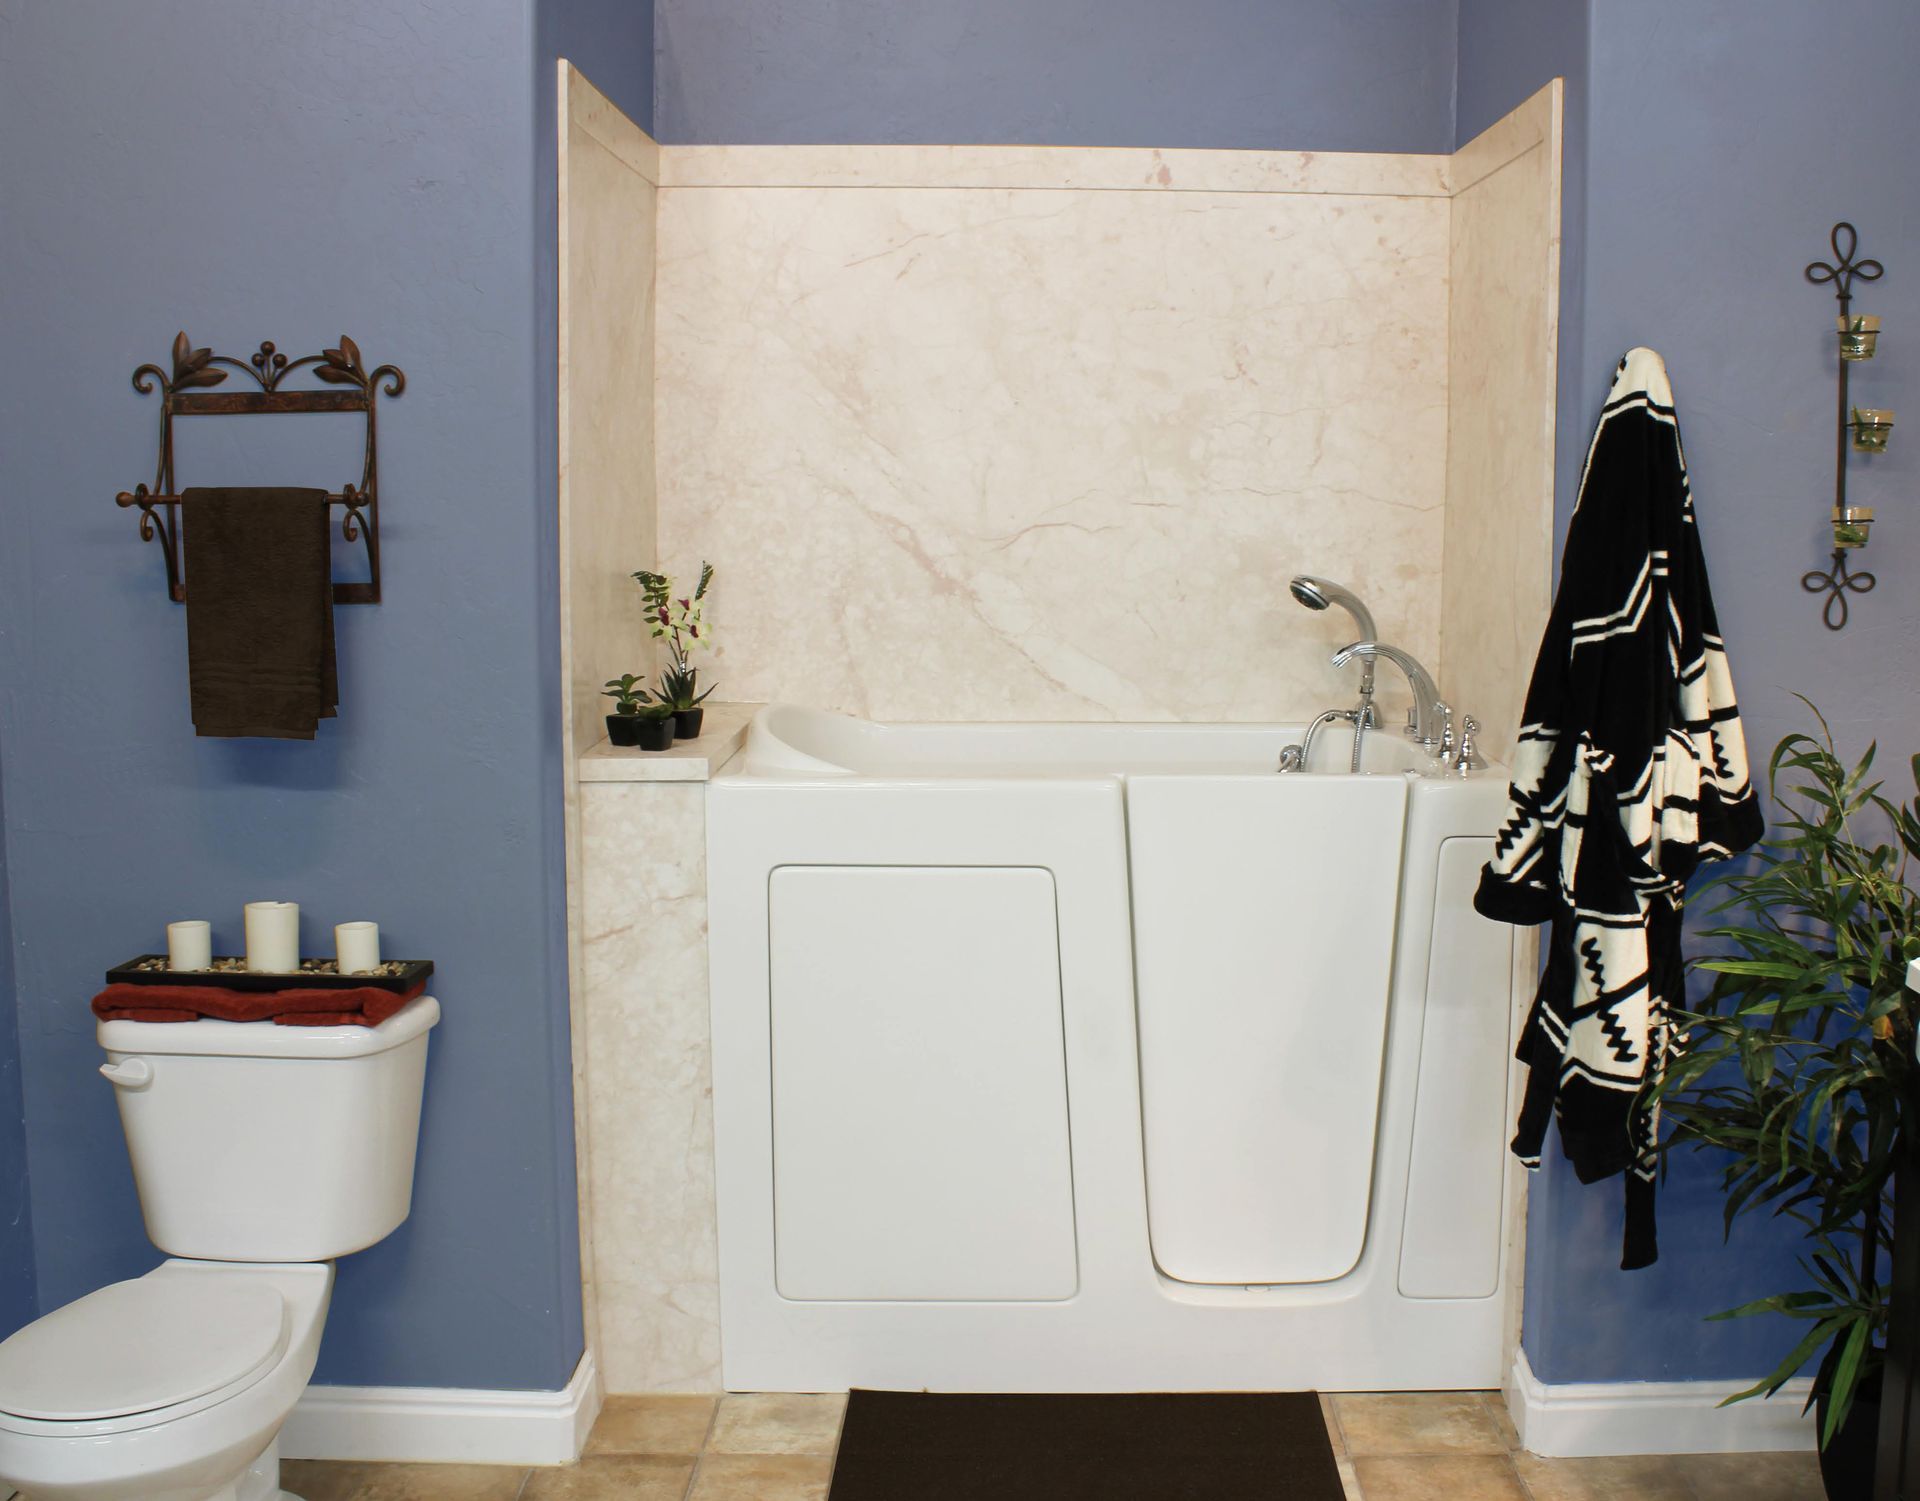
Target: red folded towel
{"x": 363, "y": 1006}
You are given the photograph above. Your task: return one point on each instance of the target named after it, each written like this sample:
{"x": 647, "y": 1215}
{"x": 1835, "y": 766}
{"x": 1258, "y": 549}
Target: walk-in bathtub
{"x": 1102, "y": 1057}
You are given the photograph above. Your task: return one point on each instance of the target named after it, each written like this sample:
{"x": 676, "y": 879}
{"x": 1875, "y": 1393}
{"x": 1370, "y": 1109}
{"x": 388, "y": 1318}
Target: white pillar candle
{"x": 273, "y": 937}
{"x": 190, "y": 944}
{"x": 358, "y": 946}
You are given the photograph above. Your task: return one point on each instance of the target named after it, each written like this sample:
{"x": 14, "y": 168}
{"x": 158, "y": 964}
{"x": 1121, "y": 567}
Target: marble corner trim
{"x": 1502, "y": 372}
{"x": 604, "y": 120}
{"x": 1536, "y": 121}
{"x": 721, "y": 735}
{"x": 1086, "y": 168}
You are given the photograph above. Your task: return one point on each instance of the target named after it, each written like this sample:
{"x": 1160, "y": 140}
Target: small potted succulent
{"x": 681, "y": 623}
{"x": 654, "y": 727}
{"x": 623, "y": 725}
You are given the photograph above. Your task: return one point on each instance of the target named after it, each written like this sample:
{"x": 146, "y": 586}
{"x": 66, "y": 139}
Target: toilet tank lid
{"x": 138, "y": 1346}
{"x": 207, "y": 1038}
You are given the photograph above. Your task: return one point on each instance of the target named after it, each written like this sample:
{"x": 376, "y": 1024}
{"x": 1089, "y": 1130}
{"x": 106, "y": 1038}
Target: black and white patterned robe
{"x": 1630, "y": 770}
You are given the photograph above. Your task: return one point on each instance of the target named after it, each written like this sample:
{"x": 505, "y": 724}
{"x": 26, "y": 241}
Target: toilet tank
{"x": 252, "y": 1141}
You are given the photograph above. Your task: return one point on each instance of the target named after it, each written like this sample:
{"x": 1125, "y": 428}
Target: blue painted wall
{"x": 1725, "y": 145}
{"x": 1364, "y": 75}
{"x": 282, "y": 171}
{"x": 18, "y": 1302}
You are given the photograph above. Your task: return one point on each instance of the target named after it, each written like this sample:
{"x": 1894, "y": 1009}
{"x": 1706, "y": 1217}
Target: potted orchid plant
{"x": 680, "y": 621}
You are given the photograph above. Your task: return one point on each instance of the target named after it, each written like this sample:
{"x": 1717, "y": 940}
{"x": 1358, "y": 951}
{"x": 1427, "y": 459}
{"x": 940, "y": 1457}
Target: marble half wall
{"x": 991, "y": 433}
{"x": 609, "y": 170}
{"x": 1497, "y": 574}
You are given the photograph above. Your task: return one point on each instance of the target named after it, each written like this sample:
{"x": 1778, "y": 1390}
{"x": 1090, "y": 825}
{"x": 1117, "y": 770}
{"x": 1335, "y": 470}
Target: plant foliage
{"x": 680, "y": 622}
{"x": 1797, "y": 1065}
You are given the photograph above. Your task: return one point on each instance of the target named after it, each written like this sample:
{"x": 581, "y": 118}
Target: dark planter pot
{"x": 624, "y": 729}
{"x": 654, "y": 734}
{"x": 1847, "y": 1464}
{"x": 686, "y": 722}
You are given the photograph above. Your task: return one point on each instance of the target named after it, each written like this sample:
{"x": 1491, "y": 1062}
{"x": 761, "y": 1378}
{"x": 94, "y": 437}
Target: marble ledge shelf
{"x": 722, "y": 733}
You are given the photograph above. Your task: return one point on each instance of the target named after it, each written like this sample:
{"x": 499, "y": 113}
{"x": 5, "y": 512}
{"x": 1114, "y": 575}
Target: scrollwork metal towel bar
{"x": 183, "y": 392}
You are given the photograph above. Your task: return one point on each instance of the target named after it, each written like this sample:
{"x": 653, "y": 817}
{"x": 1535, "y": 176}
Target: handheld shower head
{"x": 1318, "y": 593}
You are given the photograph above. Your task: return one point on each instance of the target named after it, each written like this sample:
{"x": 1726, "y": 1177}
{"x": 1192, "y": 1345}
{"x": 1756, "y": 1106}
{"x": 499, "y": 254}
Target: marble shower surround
{"x": 1009, "y": 433}
{"x": 970, "y": 533}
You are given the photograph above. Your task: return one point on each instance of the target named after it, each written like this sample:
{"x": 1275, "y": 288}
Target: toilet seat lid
{"x": 138, "y": 1346}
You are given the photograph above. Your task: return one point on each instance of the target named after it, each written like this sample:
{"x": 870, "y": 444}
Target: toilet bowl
{"x": 261, "y": 1153}
{"x": 171, "y": 1387}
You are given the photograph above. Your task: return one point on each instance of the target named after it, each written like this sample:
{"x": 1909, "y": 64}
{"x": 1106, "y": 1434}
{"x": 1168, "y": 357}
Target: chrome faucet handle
{"x": 1468, "y": 758}
{"x": 1446, "y": 729}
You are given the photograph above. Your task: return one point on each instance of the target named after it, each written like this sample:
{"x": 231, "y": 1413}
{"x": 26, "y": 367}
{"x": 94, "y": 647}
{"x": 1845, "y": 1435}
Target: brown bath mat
{"x": 1183, "y": 1446}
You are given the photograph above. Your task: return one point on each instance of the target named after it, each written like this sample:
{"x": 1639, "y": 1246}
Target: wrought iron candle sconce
{"x": 1862, "y": 429}
{"x": 181, "y": 394}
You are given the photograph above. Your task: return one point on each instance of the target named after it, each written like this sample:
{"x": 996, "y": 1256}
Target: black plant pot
{"x": 654, "y": 734}
{"x": 686, "y": 722}
{"x": 623, "y": 729}
{"x": 1847, "y": 1464}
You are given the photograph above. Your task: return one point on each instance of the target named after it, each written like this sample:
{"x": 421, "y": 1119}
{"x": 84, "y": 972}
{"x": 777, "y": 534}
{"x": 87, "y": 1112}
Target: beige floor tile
{"x": 762, "y": 1477}
{"x": 315, "y": 1480}
{"x": 1349, "y": 1481}
{"x": 1438, "y": 1477}
{"x": 605, "y": 1477}
{"x": 652, "y": 1425}
{"x": 1502, "y": 1419}
{"x": 1636, "y": 1478}
{"x": 1753, "y": 1477}
{"x": 1377, "y": 1423}
{"x": 777, "y": 1423}
{"x": 1332, "y": 1420}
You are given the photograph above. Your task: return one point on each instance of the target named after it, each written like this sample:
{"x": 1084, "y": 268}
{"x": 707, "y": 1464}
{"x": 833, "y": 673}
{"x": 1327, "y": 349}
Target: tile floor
{"x": 1416, "y": 1446}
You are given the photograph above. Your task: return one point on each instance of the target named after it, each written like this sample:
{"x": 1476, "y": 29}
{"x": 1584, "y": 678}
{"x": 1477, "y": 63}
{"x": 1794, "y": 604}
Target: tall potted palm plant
{"x": 1798, "y": 1064}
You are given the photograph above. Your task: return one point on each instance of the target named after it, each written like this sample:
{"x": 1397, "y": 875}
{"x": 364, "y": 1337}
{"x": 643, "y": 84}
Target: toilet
{"x": 261, "y": 1154}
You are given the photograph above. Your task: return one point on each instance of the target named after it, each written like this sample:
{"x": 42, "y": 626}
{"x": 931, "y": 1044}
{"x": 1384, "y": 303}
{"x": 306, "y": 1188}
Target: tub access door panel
{"x": 920, "y": 1144}
{"x": 1264, "y": 911}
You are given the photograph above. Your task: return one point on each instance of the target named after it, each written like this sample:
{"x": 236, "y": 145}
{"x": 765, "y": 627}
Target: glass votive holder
{"x": 1850, "y": 525}
{"x": 1872, "y": 426}
{"x": 1858, "y": 337}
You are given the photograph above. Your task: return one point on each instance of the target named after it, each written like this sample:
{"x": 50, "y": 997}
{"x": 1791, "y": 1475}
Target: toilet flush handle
{"x": 135, "y": 1073}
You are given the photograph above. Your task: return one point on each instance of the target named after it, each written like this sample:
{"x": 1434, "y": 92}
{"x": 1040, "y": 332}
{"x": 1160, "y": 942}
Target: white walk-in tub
{"x": 1102, "y": 1057}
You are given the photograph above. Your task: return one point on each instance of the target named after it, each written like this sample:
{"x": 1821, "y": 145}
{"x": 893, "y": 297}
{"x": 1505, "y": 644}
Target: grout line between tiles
{"x": 713, "y": 1422}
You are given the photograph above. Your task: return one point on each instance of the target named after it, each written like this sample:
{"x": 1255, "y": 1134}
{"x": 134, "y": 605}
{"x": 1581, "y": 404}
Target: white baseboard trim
{"x": 1582, "y": 1419}
{"x": 445, "y": 1425}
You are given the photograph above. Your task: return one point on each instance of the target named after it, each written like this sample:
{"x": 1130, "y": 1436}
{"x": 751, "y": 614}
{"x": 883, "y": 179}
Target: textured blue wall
{"x": 17, "y": 1298}
{"x": 1306, "y": 75}
{"x": 1726, "y": 143}
{"x": 288, "y": 172}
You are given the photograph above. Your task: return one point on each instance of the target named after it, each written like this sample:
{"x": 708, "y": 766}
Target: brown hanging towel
{"x": 259, "y": 612}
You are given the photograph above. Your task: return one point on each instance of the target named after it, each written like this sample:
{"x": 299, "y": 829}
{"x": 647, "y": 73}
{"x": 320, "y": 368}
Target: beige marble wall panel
{"x": 1501, "y": 382}
{"x": 647, "y": 1099}
{"x": 607, "y": 171}
{"x": 606, "y": 395}
{"x": 1034, "y": 453}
